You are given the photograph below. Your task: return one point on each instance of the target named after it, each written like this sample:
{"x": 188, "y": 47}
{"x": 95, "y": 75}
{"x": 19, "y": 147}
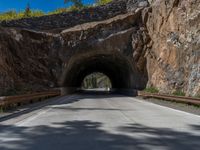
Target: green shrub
{"x": 8, "y": 15}
{"x": 58, "y": 11}
{"x": 36, "y": 13}
{"x": 151, "y": 90}
{"x": 178, "y": 93}
{"x": 76, "y": 3}
{"x": 197, "y": 96}
{"x": 103, "y": 2}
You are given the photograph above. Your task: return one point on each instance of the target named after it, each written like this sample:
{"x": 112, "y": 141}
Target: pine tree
{"x": 27, "y": 12}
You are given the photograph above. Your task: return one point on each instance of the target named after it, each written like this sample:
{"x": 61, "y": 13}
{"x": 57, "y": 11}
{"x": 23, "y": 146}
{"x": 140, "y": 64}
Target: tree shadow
{"x": 88, "y": 135}
{"x": 174, "y": 140}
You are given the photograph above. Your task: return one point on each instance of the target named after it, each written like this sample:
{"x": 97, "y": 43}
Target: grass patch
{"x": 12, "y": 15}
{"x": 103, "y": 2}
{"x": 197, "y": 96}
{"x": 69, "y": 9}
{"x": 151, "y": 90}
{"x": 179, "y": 93}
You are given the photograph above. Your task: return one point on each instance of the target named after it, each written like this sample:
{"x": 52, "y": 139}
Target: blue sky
{"x": 44, "y": 5}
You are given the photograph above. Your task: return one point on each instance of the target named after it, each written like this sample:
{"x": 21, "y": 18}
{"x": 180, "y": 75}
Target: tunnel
{"x": 117, "y": 68}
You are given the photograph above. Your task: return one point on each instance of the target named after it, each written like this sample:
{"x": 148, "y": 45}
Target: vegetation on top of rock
{"x": 103, "y": 2}
{"x": 28, "y": 12}
{"x": 64, "y": 10}
{"x": 11, "y": 15}
{"x": 76, "y": 3}
{"x": 151, "y": 90}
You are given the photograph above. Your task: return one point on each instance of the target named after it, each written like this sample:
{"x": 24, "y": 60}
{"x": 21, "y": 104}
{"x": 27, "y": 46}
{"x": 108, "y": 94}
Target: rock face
{"x": 26, "y": 63}
{"x": 174, "y": 29}
{"x": 134, "y": 5}
{"x": 139, "y": 43}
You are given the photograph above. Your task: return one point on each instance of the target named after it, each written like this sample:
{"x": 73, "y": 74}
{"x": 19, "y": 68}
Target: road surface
{"x": 101, "y": 122}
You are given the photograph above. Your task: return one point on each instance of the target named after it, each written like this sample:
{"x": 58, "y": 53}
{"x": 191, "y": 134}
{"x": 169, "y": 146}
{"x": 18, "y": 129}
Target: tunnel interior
{"x": 96, "y": 80}
{"x": 117, "y": 68}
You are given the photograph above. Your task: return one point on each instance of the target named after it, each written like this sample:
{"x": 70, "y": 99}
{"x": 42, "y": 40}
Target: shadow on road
{"x": 88, "y": 135}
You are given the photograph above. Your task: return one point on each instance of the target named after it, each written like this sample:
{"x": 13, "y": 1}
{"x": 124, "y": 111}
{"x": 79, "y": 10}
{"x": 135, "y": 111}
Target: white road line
{"x": 41, "y": 112}
{"x": 31, "y": 118}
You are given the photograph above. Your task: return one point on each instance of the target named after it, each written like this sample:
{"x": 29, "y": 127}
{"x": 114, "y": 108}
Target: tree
{"x": 27, "y": 12}
{"x": 77, "y": 3}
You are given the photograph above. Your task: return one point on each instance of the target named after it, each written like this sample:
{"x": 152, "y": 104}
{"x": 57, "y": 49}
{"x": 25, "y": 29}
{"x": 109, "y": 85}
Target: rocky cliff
{"x": 174, "y": 56}
{"x": 164, "y": 45}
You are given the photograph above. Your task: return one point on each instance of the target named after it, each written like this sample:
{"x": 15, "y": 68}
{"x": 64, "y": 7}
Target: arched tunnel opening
{"x": 117, "y": 68}
{"x": 96, "y": 81}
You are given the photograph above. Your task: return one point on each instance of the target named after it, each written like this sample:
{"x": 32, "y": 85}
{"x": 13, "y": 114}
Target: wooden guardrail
{"x": 12, "y": 101}
{"x": 183, "y": 99}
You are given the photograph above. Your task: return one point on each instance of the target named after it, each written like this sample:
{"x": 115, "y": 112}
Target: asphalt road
{"x": 101, "y": 122}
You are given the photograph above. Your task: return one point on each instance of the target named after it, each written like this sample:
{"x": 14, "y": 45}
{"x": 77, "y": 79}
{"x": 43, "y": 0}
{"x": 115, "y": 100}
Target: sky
{"x": 44, "y": 5}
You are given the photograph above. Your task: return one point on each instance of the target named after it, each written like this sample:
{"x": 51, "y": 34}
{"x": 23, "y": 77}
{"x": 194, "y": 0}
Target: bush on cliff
{"x": 151, "y": 90}
{"x": 103, "y": 2}
{"x": 76, "y": 3}
{"x": 178, "y": 93}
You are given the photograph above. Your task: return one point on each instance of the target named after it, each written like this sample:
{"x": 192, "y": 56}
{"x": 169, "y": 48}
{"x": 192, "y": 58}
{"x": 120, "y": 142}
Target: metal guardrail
{"x": 9, "y": 101}
{"x": 183, "y": 99}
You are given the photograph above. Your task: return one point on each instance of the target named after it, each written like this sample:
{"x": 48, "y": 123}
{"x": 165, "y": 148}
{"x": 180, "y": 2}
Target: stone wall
{"x": 65, "y": 20}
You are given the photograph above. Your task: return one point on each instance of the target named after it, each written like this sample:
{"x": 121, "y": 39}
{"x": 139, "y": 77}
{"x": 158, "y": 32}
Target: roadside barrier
{"x": 182, "y": 99}
{"x": 13, "y": 101}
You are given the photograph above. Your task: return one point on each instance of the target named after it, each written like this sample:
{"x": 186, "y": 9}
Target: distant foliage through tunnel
{"x": 96, "y": 80}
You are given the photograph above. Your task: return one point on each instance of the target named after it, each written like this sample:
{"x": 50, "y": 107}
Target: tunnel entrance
{"x": 118, "y": 68}
{"x": 96, "y": 81}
